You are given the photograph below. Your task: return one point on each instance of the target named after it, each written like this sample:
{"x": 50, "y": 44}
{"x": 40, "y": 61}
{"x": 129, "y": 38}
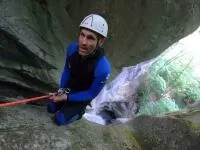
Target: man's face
{"x": 87, "y": 42}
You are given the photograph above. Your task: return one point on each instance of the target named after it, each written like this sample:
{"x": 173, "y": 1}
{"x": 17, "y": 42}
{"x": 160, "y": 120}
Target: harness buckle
{"x": 62, "y": 91}
{"x": 67, "y": 91}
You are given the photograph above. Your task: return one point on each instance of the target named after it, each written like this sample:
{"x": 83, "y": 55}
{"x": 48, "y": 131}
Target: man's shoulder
{"x": 104, "y": 64}
{"x": 72, "y": 48}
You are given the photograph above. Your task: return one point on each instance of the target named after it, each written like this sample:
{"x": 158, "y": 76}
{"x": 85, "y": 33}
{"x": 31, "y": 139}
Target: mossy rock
{"x": 172, "y": 132}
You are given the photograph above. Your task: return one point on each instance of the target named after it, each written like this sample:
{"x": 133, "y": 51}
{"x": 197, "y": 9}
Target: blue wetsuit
{"x": 85, "y": 77}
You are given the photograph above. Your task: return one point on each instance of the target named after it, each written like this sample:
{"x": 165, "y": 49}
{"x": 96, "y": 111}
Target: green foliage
{"x": 193, "y": 93}
{"x": 158, "y": 107}
{"x": 168, "y": 86}
{"x": 156, "y": 84}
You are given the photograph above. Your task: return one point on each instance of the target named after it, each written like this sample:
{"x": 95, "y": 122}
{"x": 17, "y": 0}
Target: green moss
{"x": 194, "y": 126}
{"x": 137, "y": 140}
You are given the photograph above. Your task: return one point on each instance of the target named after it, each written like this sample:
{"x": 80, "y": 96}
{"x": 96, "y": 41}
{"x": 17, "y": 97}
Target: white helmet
{"x": 95, "y": 23}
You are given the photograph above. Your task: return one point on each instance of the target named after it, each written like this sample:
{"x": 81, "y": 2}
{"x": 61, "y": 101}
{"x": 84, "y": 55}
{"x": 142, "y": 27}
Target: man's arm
{"x": 66, "y": 72}
{"x": 65, "y": 75}
{"x": 102, "y": 73}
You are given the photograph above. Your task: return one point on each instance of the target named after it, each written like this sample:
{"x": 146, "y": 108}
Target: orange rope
{"x": 23, "y": 101}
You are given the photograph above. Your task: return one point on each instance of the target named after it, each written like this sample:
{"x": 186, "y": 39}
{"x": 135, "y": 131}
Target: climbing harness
{"x": 23, "y": 101}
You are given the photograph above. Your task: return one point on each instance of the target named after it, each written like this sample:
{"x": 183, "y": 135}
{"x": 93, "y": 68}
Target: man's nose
{"x": 84, "y": 40}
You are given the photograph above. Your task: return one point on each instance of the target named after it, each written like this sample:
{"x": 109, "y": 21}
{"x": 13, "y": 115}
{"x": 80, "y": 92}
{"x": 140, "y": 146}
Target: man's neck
{"x": 89, "y": 55}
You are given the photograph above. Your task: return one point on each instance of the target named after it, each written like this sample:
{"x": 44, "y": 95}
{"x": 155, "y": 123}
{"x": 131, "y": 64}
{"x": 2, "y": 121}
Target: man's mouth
{"x": 82, "y": 49}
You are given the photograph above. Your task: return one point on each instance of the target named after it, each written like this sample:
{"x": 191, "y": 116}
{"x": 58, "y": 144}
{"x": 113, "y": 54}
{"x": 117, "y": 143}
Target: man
{"x": 85, "y": 72}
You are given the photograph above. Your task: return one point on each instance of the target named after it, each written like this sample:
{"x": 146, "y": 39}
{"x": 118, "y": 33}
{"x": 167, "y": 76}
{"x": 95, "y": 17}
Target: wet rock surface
{"x": 29, "y": 127}
{"x": 175, "y": 131}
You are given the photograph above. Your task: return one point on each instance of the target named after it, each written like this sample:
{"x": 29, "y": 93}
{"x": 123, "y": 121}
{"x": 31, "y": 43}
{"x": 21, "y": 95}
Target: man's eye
{"x": 82, "y": 34}
{"x": 91, "y": 38}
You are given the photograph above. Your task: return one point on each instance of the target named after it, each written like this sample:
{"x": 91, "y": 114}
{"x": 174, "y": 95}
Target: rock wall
{"x": 34, "y": 35}
{"x": 175, "y": 131}
{"x": 28, "y": 127}
{"x": 31, "y": 128}
{"x": 33, "y": 39}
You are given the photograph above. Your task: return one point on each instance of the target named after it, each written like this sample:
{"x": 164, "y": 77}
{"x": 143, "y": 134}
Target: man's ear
{"x": 101, "y": 41}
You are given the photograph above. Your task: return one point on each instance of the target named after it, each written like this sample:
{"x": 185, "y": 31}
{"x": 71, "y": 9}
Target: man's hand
{"x": 57, "y": 98}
